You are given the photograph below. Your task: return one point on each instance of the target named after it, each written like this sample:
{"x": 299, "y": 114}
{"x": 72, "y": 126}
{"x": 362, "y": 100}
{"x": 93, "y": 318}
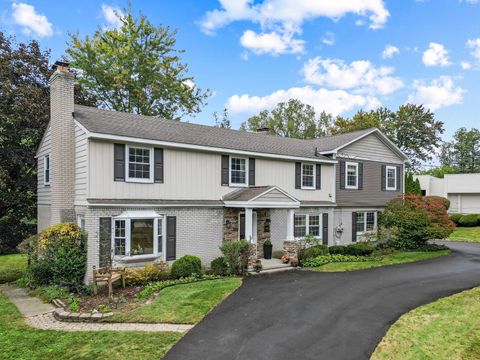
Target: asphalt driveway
{"x": 308, "y": 315}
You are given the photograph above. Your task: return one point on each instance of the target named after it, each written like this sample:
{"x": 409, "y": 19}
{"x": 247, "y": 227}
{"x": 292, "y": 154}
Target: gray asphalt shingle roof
{"x": 145, "y": 127}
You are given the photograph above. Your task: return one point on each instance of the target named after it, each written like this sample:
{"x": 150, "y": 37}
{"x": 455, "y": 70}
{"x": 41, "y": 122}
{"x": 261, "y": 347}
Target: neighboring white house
{"x": 463, "y": 191}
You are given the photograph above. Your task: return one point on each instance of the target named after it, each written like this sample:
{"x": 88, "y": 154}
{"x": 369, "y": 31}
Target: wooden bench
{"x": 108, "y": 275}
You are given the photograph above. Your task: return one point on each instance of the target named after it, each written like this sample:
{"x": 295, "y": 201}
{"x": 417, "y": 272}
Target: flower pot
{"x": 267, "y": 251}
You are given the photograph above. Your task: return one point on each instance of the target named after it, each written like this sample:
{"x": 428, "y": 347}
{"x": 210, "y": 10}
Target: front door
{"x": 241, "y": 227}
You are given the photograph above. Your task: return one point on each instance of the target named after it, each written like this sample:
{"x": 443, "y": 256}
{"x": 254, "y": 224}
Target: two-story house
{"x": 147, "y": 189}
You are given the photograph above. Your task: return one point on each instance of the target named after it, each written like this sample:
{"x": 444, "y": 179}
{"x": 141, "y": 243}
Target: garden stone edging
{"x": 62, "y": 315}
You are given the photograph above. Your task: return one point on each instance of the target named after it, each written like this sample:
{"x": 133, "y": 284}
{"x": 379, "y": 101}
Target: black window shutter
{"x": 384, "y": 177}
{"x": 298, "y": 175}
{"x": 325, "y": 229}
{"x": 342, "y": 174}
{"x": 399, "y": 184}
{"x": 318, "y": 176}
{"x": 251, "y": 171}
{"x": 171, "y": 237}
{"x": 354, "y": 227}
{"x": 360, "y": 176}
{"x": 119, "y": 162}
{"x": 105, "y": 241}
{"x": 225, "y": 170}
{"x": 158, "y": 165}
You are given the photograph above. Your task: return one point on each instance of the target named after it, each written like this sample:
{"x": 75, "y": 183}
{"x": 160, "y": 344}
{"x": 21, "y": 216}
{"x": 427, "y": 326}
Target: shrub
{"x": 147, "y": 274}
{"x": 312, "y": 252}
{"x": 433, "y": 247}
{"x": 325, "y": 259}
{"x": 455, "y": 217}
{"x": 417, "y": 220}
{"x": 51, "y": 292}
{"x": 441, "y": 199}
{"x": 219, "y": 266}
{"x": 360, "y": 249}
{"x": 236, "y": 256}
{"x": 309, "y": 240}
{"x": 337, "y": 249}
{"x": 186, "y": 266}
{"x": 469, "y": 220}
{"x": 387, "y": 237}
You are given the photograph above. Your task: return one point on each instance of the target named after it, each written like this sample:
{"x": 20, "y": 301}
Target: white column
{"x": 249, "y": 225}
{"x": 290, "y": 216}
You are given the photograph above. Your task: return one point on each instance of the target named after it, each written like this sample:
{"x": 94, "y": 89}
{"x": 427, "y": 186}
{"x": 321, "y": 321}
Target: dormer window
{"x": 46, "y": 169}
{"x": 139, "y": 167}
{"x": 238, "y": 171}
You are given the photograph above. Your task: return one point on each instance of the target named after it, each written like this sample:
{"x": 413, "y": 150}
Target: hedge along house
{"x": 148, "y": 189}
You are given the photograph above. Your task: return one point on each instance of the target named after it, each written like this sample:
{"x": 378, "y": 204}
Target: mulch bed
{"x": 122, "y": 297}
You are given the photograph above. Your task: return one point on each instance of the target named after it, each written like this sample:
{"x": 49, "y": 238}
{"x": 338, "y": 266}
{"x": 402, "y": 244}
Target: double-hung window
{"x": 391, "y": 177}
{"x": 238, "y": 171}
{"x": 351, "y": 175}
{"x": 308, "y": 176}
{"x": 138, "y": 237}
{"x": 304, "y": 224}
{"x": 366, "y": 221}
{"x": 46, "y": 169}
{"x": 140, "y": 164}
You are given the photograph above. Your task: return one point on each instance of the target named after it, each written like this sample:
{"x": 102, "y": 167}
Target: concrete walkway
{"x": 40, "y": 315}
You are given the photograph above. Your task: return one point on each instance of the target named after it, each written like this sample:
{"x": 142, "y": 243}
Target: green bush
{"x": 432, "y": 247}
{"x": 455, "y": 217}
{"x": 360, "y": 249}
{"x": 186, "y": 266}
{"x": 145, "y": 275}
{"x": 236, "y": 256}
{"x": 219, "y": 266}
{"x": 311, "y": 252}
{"x": 325, "y": 259}
{"x": 49, "y": 293}
{"x": 337, "y": 249}
{"x": 469, "y": 220}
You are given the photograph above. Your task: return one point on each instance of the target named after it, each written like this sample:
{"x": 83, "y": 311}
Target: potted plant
{"x": 267, "y": 249}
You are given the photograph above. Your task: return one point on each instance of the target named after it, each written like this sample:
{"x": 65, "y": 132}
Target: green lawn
{"x": 12, "y": 267}
{"x": 399, "y": 257}
{"x": 466, "y": 234}
{"x": 19, "y": 341}
{"x": 182, "y": 304}
{"x": 446, "y": 329}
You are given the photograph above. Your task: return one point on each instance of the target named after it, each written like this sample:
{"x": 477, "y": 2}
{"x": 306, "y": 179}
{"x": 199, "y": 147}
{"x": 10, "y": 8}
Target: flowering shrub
{"x": 59, "y": 235}
{"x": 417, "y": 219}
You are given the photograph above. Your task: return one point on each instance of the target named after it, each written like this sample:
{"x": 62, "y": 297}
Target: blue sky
{"x": 339, "y": 56}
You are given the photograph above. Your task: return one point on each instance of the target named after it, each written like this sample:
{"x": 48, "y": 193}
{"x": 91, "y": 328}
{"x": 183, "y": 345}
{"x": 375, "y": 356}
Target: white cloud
{"x": 440, "y": 92}
{"x": 112, "y": 15}
{"x": 329, "y": 38}
{"x": 390, "y": 51}
{"x": 361, "y": 76}
{"x": 26, "y": 16}
{"x": 271, "y": 43}
{"x": 436, "y": 55}
{"x": 285, "y": 17}
{"x": 465, "y": 65}
{"x": 331, "y": 101}
{"x": 474, "y": 45}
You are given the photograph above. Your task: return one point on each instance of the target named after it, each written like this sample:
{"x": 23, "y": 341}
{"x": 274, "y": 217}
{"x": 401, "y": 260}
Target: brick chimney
{"x": 62, "y": 158}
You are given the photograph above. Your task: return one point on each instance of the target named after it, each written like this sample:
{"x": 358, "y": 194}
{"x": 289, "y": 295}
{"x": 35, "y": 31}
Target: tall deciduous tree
{"x": 463, "y": 152}
{"x": 136, "y": 68}
{"x": 223, "y": 121}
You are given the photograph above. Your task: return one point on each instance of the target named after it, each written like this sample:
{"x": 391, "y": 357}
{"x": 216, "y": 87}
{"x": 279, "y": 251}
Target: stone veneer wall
{"x": 290, "y": 249}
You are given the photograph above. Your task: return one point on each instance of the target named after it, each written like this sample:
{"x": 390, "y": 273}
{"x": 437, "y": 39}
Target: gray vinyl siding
{"x": 81, "y": 157}
{"x": 371, "y": 194}
{"x": 371, "y": 148}
{"x": 44, "y": 193}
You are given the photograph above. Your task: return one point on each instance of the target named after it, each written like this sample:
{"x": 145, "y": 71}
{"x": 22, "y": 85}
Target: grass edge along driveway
{"x": 469, "y": 234}
{"x": 448, "y": 328}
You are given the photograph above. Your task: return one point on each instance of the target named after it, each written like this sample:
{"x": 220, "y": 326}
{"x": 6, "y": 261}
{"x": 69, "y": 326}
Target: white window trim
{"x": 127, "y": 164}
{"x": 230, "y": 172}
{"x": 156, "y": 253}
{"x": 347, "y": 164}
{"x": 307, "y": 229}
{"x": 394, "y": 168}
{"x": 45, "y": 182}
{"x": 375, "y": 219}
{"x": 80, "y": 218}
{"x": 314, "y": 177}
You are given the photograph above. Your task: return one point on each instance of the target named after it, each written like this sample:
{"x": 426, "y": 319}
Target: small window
{"x": 391, "y": 181}
{"x": 139, "y": 164}
{"x": 351, "y": 175}
{"x": 308, "y": 176}
{"x": 46, "y": 169}
{"x": 366, "y": 221}
{"x": 120, "y": 237}
{"x": 160, "y": 235}
{"x": 314, "y": 225}
{"x": 238, "y": 171}
{"x": 300, "y": 226}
